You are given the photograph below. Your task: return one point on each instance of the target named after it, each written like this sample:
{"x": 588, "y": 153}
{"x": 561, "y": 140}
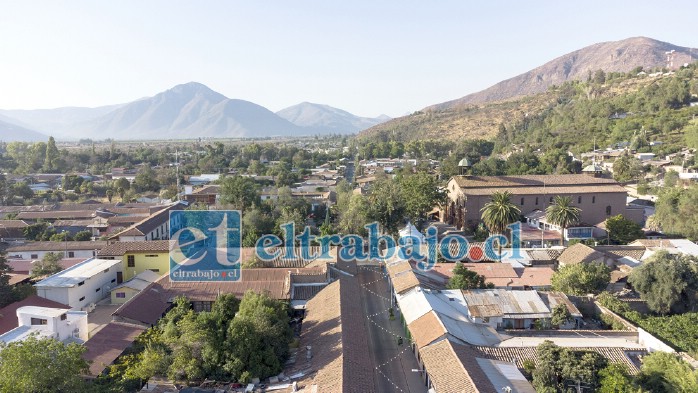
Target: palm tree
{"x": 500, "y": 212}
{"x": 562, "y": 214}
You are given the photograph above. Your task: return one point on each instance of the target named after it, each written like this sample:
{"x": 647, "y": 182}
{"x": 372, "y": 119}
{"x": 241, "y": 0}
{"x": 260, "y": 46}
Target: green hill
{"x": 610, "y": 108}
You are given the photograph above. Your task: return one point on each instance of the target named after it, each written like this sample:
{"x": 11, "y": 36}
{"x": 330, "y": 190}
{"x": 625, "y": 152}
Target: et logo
{"x": 205, "y": 245}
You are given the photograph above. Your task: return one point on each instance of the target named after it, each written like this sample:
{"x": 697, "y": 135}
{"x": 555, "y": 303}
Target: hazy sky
{"x": 367, "y": 57}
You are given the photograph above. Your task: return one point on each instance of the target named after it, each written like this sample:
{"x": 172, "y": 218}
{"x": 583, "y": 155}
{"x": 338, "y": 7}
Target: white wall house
{"x": 70, "y": 249}
{"x": 62, "y": 324}
{"x": 81, "y": 285}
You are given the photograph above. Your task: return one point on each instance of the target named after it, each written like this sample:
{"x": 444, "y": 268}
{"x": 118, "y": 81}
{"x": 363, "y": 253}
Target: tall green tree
{"x": 6, "y": 293}
{"x": 50, "y": 162}
{"x": 666, "y": 372}
{"x": 615, "y": 379}
{"x": 581, "y": 278}
{"x": 386, "y": 205}
{"x": 42, "y": 365}
{"x": 353, "y": 218}
{"x": 239, "y": 192}
{"x": 562, "y": 214}
{"x": 421, "y": 193}
{"x": 146, "y": 180}
{"x": 261, "y": 336}
{"x": 667, "y": 282}
{"x": 559, "y": 367}
{"x": 623, "y": 231}
{"x": 676, "y": 211}
{"x": 560, "y": 316}
{"x": 48, "y": 265}
{"x": 626, "y": 168}
{"x": 499, "y": 212}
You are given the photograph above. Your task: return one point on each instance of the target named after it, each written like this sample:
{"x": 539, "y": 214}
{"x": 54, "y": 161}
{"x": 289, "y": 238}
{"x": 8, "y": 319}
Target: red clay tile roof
{"x": 16, "y": 278}
{"x": 8, "y": 314}
{"x": 118, "y": 248}
{"x": 108, "y": 344}
{"x": 116, "y": 220}
{"x": 13, "y": 224}
{"x": 451, "y": 373}
{"x": 617, "y": 252}
{"x": 212, "y": 189}
{"x": 531, "y": 181}
{"x": 56, "y": 214}
{"x": 426, "y": 329}
{"x": 520, "y": 354}
{"x": 334, "y": 327}
{"x": 501, "y": 274}
{"x": 579, "y": 253}
{"x": 402, "y": 276}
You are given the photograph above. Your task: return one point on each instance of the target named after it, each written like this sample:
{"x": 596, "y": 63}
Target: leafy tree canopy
{"x": 581, "y": 278}
{"x": 667, "y": 282}
{"x": 623, "y": 231}
{"x": 42, "y": 365}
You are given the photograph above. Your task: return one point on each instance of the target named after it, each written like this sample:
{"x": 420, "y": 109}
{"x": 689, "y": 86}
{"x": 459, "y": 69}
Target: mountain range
{"x": 479, "y": 114}
{"x": 193, "y": 110}
{"x": 188, "y": 110}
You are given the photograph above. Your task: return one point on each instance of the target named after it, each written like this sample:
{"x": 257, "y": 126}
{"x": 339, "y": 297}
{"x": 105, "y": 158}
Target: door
{"x": 119, "y": 277}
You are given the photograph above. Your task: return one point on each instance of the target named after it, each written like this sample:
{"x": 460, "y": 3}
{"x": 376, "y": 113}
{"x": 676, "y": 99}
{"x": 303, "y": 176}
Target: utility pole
{"x": 177, "y": 170}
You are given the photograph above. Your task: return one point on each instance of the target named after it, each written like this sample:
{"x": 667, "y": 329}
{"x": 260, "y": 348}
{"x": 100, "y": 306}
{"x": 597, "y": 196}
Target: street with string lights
{"x": 396, "y": 368}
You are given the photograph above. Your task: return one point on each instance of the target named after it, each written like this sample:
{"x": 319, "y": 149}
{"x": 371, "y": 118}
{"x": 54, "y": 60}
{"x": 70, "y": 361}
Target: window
{"x": 131, "y": 261}
{"x": 608, "y": 210}
{"x": 151, "y": 256}
{"x": 81, "y": 283}
{"x": 121, "y": 295}
{"x": 201, "y": 306}
{"x": 113, "y": 280}
{"x": 34, "y": 256}
{"x": 39, "y": 321}
{"x": 105, "y": 270}
{"x": 551, "y": 199}
{"x": 71, "y": 254}
{"x": 593, "y": 199}
{"x": 81, "y": 299}
{"x": 98, "y": 289}
{"x": 64, "y": 317}
{"x": 536, "y": 201}
{"x": 579, "y": 199}
{"x": 522, "y": 201}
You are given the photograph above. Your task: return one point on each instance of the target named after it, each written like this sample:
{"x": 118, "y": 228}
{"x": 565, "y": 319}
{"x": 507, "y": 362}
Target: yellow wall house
{"x": 125, "y": 291}
{"x": 140, "y": 256}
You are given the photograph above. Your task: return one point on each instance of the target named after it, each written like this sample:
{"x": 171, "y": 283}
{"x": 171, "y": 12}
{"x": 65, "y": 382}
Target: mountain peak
{"x": 192, "y": 88}
{"x": 326, "y": 119}
{"x": 618, "y": 56}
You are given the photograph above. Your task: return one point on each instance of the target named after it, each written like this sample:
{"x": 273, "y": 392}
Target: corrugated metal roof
{"x": 80, "y": 272}
{"x": 522, "y": 304}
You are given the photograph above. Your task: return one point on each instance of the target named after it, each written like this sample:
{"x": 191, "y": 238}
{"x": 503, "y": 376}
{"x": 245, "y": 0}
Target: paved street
{"x": 393, "y": 363}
